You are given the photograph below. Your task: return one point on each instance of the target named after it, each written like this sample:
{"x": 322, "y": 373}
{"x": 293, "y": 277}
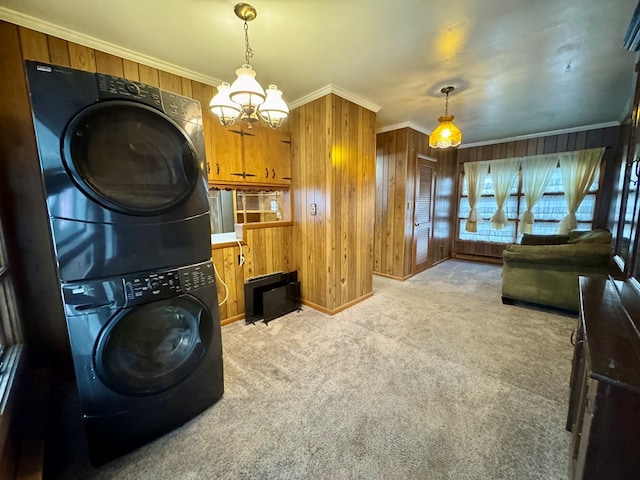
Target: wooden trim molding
{"x": 340, "y": 308}
{"x": 233, "y": 319}
{"x": 393, "y": 277}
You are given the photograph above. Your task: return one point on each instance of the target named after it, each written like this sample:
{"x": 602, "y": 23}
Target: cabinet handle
{"x": 273, "y": 173}
{"x": 217, "y": 169}
{"x": 266, "y": 173}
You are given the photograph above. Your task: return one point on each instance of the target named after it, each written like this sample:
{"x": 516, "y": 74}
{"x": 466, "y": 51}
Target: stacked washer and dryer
{"x": 126, "y": 190}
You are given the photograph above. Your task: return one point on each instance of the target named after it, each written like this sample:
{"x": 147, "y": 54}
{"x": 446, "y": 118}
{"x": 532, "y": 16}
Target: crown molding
{"x": 542, "y": 134}
{"x": 336, "y": 90}
{"x": 39, "y": 25}
{"x": 397, "y": 126}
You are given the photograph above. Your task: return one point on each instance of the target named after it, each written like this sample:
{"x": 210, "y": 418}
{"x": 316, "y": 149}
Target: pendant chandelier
{"x": 245, "y": 98}
{"x": 446, "y": 134}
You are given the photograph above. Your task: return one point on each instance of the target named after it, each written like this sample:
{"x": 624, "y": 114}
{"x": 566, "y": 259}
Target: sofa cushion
{"x": 599, "y": 235}
{"x": 533, "y": 239}
{"x": 567, "y": 255}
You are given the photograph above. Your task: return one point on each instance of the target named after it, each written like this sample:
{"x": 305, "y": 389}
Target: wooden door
{"x": 279, "y": 158}
{"x": 226, "y": 149}
{"x": 423, "y": 214}
{"x": 256, "y": 146}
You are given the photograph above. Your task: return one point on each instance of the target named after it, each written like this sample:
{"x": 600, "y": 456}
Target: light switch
{"x": 313, "y": 209}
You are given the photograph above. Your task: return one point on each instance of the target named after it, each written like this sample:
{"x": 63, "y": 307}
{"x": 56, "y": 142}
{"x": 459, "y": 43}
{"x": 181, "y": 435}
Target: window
{"x": 548, "y": 211}
{"x": 9, "y": 329}
{"x": 625, "y": 227}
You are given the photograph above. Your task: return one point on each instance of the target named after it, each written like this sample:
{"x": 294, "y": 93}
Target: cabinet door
{"x": 225, "y": 164}
{"x": 256, "y": 147}
{"x": 279, "y": 160}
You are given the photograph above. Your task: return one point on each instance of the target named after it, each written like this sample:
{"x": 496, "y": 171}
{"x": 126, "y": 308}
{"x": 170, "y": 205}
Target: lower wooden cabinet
{"x": 604, "y": 405}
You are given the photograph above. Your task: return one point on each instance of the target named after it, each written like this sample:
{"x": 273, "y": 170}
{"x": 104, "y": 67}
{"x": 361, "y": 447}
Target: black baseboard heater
{"x": 270, "y": 296}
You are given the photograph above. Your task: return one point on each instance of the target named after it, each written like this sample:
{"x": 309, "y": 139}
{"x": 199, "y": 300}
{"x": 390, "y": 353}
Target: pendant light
{"x": 446, "y": 134}
{"x": 245, "y": 98}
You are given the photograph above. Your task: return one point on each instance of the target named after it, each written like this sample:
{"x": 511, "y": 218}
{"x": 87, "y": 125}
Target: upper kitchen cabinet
{"x": 255, "y": 156}
{"x": 280, "y": 156}
{"x": 225, "y": 162}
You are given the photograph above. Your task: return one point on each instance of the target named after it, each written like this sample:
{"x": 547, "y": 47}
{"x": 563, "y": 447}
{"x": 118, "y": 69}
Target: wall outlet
{"x": 313, "y": 209}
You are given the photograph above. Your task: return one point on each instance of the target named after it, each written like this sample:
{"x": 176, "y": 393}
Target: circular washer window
{"x": 130, "y": 157}
{"x": 149, "y": 349}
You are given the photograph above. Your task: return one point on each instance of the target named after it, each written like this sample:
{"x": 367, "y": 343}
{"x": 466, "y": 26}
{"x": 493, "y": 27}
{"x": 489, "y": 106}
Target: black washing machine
{"x": 123, "y": 166}
{"x": 146, "y": 351}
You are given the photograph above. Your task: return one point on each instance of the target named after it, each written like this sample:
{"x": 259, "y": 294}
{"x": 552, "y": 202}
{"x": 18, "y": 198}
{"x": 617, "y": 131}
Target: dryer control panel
{"x": 110, "y": 86}
{"x": 148, "y": 286}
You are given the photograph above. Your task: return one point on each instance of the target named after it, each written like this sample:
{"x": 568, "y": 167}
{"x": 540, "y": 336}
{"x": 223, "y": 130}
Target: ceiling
{"x": 519, "y": 67}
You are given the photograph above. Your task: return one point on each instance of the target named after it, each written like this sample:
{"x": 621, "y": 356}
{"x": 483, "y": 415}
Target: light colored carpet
{"x": 431, "y": 378}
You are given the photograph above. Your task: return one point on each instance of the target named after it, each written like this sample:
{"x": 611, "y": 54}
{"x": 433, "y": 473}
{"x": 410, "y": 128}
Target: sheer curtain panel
{"x": 503, "y": 174}
{"x": 536, "y": 173}
{"x": 474, "y": 173}
{"x": 579, "y": 170}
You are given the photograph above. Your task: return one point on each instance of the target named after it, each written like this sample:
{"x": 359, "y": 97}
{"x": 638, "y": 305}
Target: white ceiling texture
{"x": 519, "y": 67}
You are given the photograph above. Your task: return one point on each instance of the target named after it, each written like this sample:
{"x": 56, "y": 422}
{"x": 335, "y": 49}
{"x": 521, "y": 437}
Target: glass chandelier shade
{"x": 273, "y": 110}
{"x": 245, "y": 97}
{"x": 446, "y": 134}
{"x": 247, "y": 92}
{"x": 222, "y": 106}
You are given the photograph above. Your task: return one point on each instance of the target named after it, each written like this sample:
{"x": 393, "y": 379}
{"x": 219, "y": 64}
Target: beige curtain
{"x": 503, "y": 174}
{"x": 579, "y": 170}
{"x": 474, "y": 173}
{"x": 536, "y": 173}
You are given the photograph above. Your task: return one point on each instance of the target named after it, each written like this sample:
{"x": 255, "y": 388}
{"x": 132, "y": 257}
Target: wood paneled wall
{"x": 265, "y": 250}
{"x": 601, "y": 137}
{"x": 268, "y": 250}
{"x": 231, "y": 273}
{"x": 396, "y": 164}
{"x": 444, "y": 201}
{"x": 333, "y": 146}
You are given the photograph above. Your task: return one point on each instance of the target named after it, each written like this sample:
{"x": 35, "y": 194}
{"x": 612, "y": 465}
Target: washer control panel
{"x": 116, "y": 87}
{"x": 148, "y": 286}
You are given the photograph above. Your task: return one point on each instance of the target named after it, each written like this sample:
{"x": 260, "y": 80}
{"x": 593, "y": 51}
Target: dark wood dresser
{"x": 604, "y": 405}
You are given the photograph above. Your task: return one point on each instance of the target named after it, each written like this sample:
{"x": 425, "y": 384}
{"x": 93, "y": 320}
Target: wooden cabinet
{"x": 252, "y": 207}
{"x": 604, "y": 405}
{"x": 280, "y": 156}
{"x": 257, "y": 155}
{"x": 226, "y": 154}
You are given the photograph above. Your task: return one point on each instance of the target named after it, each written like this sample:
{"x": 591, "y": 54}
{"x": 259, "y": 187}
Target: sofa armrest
{"x": 579, "y": 255}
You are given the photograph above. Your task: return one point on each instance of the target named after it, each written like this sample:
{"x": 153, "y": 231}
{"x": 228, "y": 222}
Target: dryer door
{"x": 148, "y": 349}
{"x": 130, "y": 157}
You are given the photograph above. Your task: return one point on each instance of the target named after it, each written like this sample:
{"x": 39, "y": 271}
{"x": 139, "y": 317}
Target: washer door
{"x": 130, "y": 157}
{"x": 148, "y": 349}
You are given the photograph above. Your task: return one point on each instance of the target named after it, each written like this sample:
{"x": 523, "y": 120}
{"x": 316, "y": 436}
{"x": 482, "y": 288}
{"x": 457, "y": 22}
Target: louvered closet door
{"x": 423, "y": 212}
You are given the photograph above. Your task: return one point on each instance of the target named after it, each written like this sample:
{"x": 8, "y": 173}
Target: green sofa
{"x": 544, "y": 269}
